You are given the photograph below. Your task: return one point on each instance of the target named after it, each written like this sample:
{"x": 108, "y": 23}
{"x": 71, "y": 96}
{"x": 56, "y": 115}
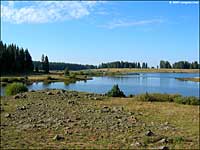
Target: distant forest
{"x": 18, "y": 60}
{"x": 180, "y": 65}
{"x": 62, "y": 66}
{"x": 121, "y": 64}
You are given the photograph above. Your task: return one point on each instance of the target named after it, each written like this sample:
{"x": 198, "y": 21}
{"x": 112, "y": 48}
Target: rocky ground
{"x": 68, "y": 119}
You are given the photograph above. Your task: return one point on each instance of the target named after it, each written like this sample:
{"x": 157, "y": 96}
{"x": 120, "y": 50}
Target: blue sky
{"x": 96, "y": 32}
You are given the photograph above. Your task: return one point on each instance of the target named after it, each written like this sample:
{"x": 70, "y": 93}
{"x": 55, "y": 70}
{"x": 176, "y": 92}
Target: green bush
{"x": 49, "y": 78}
{"x": 4, "y": 80}
{"x": 115, "y": 92}
{"x": 190, "y": 100}
{"x": 157, "y": 97}
{"x": 73, "y": 75}
{"x": 10, "y": 80}
{"x": 66, "y": 72}
{"x": 15, "y": 88}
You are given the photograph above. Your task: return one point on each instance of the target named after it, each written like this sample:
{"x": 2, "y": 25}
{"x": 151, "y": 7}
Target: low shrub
{"x": 158, "y": 97}
{"x": 189, "y": 100}
{"x": 49, "y": 78}
{"x": 10, "y": 80}
{"x": 115, "y": 92}
{"x": 66, "y": 72}
{"x": 15, "y": 88}
{"x": 4, "y": 80}
{"x": 72, "y": 75}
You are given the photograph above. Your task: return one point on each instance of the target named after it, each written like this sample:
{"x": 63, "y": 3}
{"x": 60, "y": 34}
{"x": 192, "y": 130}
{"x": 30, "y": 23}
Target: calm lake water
{"x": 131, "y": 84}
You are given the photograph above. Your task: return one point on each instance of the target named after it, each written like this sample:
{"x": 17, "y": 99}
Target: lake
{"x": 131, "y": 84}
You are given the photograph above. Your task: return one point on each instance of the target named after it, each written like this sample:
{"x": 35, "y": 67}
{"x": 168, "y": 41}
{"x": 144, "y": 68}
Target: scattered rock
{"x": 138, "y": 144}
{"x": 7, "y": 115}
{"x": 163, "y": 148}
{"x": 49, "y": 93}
{"x": 58, "y": 92}
{"x": 72, "y": 102}
{"x": 132, "y": 119}
{"x": 149, "y": 133}
{"x": 105, "y": 109}
{"x": 23, "y": 96}
{"x": 1, "y": 109}
{"x": 26, "y": 126}
{"x": 22, "y": 108}
{"x": 163, "y": 141}
{"x": 16, "y": 97}
{"x": 117, "y": 109}
{"x": 166, "y": 123}
{"x": 58, "y": 137}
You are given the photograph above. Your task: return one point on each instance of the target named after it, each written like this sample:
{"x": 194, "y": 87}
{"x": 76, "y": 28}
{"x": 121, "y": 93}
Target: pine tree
{"x": 46, "y": 65}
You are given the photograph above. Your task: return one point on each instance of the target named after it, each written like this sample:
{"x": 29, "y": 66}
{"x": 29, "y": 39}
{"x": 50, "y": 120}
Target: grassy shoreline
{"x": 59, "y": 119}
{"x": 126, "y": 70}
{"x": 57, "y": 76}
{"x": 189, "y": 79}
{"x": 47, "y": 78}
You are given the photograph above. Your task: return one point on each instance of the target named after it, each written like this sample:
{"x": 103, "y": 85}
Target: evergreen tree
{"x": 143, "y": 65}
{"x": 14, "y": 60}
{"x": 42, "y": 62}
{"x": 46, "y": 65}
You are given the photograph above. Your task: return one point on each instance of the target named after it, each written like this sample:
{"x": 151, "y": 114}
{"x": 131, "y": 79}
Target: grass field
{"x": 62, "y": 119}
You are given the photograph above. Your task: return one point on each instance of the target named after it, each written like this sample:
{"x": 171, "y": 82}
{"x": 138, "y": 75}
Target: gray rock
{"x": 16, "y": 97}
{"x": 163, "y": 148}
{"x": 58, "y": 137}
{"x": 49, "y": 93}
{"x": 26, "y": 126}
{"x": 138, "y": 144}
{"x": 23, "y": 96}
{"x": 162, "y": 141}
{"x": 23, "y": 108}
{"x": 7, "y": 115}
{"x": 58, "y": 92}
{"x": 149, "y": 133}
{"x": 105, "y": 109}
{"x": 1, "y": 109}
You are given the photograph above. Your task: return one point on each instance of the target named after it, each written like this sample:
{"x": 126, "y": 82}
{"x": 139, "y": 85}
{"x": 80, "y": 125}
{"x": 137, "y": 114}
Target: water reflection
{"x": 130, "y": 84}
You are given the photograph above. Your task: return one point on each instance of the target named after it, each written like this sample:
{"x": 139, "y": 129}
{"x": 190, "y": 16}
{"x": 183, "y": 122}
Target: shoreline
{"x": 196, "y": 79}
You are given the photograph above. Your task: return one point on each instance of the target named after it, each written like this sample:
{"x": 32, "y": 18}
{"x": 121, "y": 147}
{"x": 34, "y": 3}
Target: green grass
{"x": 15, "y": 88}
{"x": 158, "y": 97}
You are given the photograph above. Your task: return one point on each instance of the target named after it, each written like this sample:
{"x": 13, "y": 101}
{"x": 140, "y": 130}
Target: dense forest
{"x": 62, "y": 66}
{"x": 14, "y": 59}
{"x": 180, "y": 65}
{"x": 121, "y": 64}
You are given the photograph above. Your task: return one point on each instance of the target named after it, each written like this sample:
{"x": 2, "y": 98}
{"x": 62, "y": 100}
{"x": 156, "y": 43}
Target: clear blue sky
{"x": 96, "y": 32}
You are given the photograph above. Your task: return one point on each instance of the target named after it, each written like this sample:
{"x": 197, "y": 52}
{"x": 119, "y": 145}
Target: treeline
{"x": 180, "y": 65}
{"x": 14, "y": 59}
{"x": 121, "y": 64}
{"x": 62, "y": 66}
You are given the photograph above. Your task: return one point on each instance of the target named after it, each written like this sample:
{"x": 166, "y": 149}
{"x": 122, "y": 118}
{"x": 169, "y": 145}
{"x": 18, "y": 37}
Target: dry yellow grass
{"x": 125, "y": 70}
{"x": 176, "y": 122}
{"x": 189, "y": 79}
